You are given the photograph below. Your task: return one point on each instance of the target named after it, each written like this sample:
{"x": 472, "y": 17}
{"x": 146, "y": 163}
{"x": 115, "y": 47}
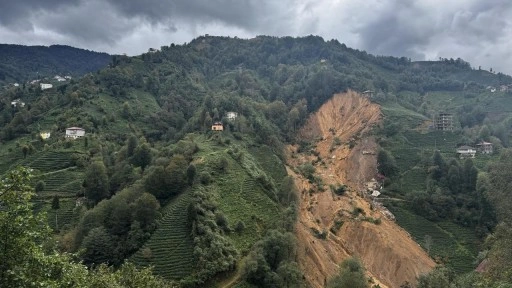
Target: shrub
{"x": 308, "y": 171}
{"x": 205, "y": 178}
{"x": 40, "y": 185}
{"x": 339, "y": 190}
{"x": 318, "y": 234}
{"x": 239, "y": 227}
{"x": 357, "y": 211}
{"x": 336, "y": 226}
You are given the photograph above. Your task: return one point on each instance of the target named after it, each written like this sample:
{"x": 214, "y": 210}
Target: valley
{"x": 262, "y": 162}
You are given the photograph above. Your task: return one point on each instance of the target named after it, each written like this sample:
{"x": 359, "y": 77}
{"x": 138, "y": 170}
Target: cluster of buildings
{"x": 444, "y": 122}
{"x": 470, "y": 152}
{"x": 45, "y": 86}
{"x": 501, "y": 88}
{"x": 218, "y": 126}
{"x": 71, "y": 133}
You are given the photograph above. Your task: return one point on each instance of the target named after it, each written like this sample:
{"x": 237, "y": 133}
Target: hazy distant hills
{"x": 20, "y": 63}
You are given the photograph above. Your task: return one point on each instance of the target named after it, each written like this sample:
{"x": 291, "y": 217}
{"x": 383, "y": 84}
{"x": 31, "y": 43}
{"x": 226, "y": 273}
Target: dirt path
{"x": 345, "y": 154}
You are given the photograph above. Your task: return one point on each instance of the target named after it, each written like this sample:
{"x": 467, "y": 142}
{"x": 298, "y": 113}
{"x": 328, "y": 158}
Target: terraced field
{"x": 170, "y": 248}
{"x": 241, "y": 198}
{"x": 65, "y": 214}
{"x": 451, "y": 244}
{"x": 50, "y": 161}
{"x": 7, "y": 160}
{"x": 270, "y": 163}
{"x": 63, "y": 183}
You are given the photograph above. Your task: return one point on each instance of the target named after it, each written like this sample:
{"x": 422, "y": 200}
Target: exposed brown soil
{"x": 347, "y": 155}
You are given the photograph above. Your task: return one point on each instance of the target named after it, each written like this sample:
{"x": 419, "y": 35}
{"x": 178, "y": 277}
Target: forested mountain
{"x": 20, "y": 63}
{"x": 151, "y": 183}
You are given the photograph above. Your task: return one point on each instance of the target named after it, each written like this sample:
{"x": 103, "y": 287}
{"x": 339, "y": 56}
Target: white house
{"x": 17, "y": 102}
{"x": 466, "y": 152}
{"x": 485, "y": 147}
{"x": 75, "y": 132}
{"x": 44, "y": 135}
{"x": 16, "y": 85}
{"x": 45, "y": 86}
{"x": 231, "y": 116}
{"x": 67, "y": 77}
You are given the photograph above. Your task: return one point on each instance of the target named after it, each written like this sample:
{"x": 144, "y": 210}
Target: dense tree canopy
{"x": 29, "y": 258}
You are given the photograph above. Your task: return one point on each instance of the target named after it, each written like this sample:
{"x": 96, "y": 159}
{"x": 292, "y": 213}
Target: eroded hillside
{"x": 343, "y": 153}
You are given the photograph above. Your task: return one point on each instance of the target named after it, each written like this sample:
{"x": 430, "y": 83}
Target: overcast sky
{"x": 479, "y": 31}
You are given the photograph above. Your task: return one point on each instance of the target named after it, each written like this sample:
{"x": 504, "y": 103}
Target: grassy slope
{"x": 239, "y": 198}
{"x": 455, "y": 245}
{"x": 170, "y": 248}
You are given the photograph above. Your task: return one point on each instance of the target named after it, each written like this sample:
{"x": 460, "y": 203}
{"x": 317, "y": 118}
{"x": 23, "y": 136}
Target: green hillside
{"x": 20, "y": 63}
{"x": 159, "y": 188}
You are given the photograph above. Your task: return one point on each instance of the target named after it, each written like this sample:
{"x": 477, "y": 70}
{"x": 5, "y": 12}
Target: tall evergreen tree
{"x": 96, "y": 182}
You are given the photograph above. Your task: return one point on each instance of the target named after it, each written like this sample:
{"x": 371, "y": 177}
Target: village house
{"x": 75, "y": 132}
{"x": 16, "y": 85}
{"x": 16, "y": 103}
{"x": 45, "y": 86}
{"x": 217, "y": 126}
{"x": 466, "y": 152}
{"x": 368, "y": 93}
{"x": 485, "y": 147}
{"x": 44, "y": 135}
{"x": 231, "y": 116}
{"x": 67, "y": 77}
{"x": 59, "y": 78}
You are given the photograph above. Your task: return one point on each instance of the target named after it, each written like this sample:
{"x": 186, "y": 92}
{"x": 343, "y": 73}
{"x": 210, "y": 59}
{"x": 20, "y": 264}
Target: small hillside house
{"x": 45, "y": 86}
{"x": 231, "y": 116}
{"x": 217, "y": 126}
{"x": 368, "y": 93}
{"x": 75, "y": 132}
{"x": 44, "y": 135}
{"x": 466, "y": 152}
{"x": 484, "y": 147}
{"x": 17, "y": 103}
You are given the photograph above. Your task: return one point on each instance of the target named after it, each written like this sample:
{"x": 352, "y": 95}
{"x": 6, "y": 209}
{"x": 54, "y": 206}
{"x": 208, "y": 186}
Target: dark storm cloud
{"x": 14, "y": 14}
{"x": 244, "y": 13}
{"x": 479, "y": 31}
{"x": 95, "y": 19}
{"x": 410, "y": 28}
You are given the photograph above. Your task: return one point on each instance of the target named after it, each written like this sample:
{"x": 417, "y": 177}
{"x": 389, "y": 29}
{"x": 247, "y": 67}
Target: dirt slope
{"x": 387, "y": 251}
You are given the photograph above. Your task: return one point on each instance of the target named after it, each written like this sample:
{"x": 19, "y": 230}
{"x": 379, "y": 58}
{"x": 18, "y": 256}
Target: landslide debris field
{"x": 333, "y": 226}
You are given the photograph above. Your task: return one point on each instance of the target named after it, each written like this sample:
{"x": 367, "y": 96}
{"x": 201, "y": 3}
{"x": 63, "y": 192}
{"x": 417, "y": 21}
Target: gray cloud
{"x": 476, "y": 30}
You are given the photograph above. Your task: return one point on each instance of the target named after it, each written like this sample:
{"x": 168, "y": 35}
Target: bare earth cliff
{"x": 387, "y": 251}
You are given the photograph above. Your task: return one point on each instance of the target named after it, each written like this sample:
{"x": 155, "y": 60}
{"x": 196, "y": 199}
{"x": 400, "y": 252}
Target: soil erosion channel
{"x": 332, "y": 227}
